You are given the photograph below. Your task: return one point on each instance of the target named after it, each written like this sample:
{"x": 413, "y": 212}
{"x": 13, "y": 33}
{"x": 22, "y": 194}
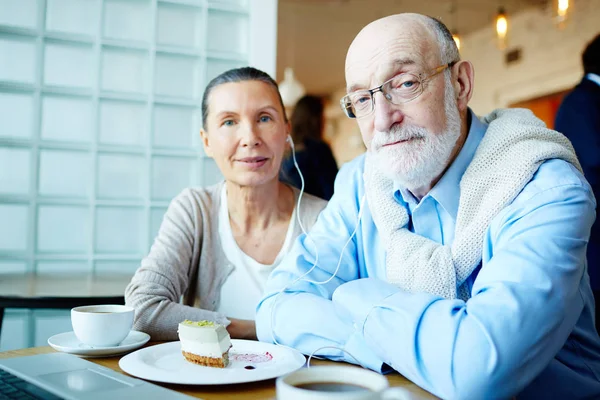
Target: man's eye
{"x": 360, "y": 100}
{"x": 265, "y": 118}
{"x": 404, "y": 82}
{"x": 228, "y": 122}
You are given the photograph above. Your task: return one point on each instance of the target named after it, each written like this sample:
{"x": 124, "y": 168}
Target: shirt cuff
{"x": 358, "y": 351}
{"x": 356, "y": 299}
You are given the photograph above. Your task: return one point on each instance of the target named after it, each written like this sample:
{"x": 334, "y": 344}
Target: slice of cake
{"x": 205, "y": 343}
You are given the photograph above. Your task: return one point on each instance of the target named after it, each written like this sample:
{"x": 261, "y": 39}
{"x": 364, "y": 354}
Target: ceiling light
{"x": 456, "y": 38}
{"x": 562, "y": 9}
{"x": 501, "y": 27}
{"x": 291, "y": 90}
{"x": 454, "y": 15}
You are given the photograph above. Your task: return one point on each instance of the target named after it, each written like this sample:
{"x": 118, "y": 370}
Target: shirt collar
{"x": 447, "y": 190}
{"x": 594, "y": 78}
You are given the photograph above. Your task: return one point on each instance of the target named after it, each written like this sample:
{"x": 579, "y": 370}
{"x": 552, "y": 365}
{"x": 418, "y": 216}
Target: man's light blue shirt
{"x": 528, "y": 328}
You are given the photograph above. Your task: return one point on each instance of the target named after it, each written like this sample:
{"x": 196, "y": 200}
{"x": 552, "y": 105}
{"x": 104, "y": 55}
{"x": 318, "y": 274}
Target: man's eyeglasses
{"x": 400, "y": 89}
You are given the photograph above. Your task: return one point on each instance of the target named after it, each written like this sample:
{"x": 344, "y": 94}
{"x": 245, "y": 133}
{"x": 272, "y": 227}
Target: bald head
{"x": 399, "y": 39}
{"x": 375, "y": 36}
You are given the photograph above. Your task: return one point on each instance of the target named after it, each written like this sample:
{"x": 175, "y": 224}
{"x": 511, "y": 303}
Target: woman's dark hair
{"x": 591, "y": 57}
{"x": 307, "y": 119}
{"x": 238, "y": 75}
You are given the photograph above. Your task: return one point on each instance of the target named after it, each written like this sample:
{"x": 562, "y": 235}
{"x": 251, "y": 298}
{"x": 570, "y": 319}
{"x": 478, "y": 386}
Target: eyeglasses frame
{"x": 345, "y": 101}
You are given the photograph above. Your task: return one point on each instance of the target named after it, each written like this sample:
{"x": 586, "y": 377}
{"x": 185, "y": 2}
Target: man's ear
{"x": 206, "y": 143}
{"x": 463, "y": 81}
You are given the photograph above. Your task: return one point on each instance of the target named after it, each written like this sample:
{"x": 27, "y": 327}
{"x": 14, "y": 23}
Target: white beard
{"x": 419, "y": 161}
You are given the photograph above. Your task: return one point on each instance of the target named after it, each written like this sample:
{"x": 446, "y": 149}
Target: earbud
{"x": 291, "y": 142}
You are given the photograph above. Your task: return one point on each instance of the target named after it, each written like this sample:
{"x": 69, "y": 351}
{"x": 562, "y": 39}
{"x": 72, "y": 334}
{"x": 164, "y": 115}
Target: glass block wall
{"x": 100, "y": 118}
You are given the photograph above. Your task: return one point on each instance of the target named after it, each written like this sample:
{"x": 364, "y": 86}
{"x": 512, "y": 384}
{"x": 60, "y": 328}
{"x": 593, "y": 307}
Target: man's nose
{"x": 386, "y": 114}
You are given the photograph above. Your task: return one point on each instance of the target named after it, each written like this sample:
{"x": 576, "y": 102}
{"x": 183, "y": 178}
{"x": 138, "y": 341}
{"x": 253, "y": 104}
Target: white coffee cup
{"x": 337, "y": 382}
{"x": 103, "y": 325}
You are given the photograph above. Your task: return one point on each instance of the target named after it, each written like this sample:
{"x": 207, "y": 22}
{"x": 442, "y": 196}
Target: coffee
{"x": 331, "y": 387}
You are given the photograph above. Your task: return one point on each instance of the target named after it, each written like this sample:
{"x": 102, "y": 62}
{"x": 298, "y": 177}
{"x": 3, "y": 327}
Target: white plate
{"x": 165, "y": 363}
{"x": 68, "y": 343}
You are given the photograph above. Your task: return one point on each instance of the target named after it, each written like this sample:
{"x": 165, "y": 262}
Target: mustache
{"x": 397, "y": 134}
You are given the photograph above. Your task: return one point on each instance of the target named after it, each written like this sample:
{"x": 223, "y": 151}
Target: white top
{"x": 243, "y": 288}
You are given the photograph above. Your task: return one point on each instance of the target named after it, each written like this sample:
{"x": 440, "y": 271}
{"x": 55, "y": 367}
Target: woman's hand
{"x": 242, "y": 329}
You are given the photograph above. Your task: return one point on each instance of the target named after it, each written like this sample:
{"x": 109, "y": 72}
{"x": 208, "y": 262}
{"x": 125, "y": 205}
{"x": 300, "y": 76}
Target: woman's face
{"x": 246, "y": 132}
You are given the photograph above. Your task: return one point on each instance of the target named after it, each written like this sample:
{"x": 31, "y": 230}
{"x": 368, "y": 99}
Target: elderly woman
{"x": 217, "y": 245}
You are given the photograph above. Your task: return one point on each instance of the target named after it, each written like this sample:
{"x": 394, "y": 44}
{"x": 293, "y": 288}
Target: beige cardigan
{"x": 181, "y": 277}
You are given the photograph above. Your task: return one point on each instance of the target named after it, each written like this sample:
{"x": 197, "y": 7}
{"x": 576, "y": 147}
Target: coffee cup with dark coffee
{"x": 337, "y": 382}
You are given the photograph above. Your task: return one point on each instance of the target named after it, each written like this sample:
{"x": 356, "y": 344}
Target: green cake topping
{"x": 198, "y": 323}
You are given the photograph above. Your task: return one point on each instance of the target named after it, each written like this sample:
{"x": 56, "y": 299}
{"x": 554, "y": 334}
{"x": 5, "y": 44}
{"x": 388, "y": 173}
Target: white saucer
{"x": 68, "y": 343}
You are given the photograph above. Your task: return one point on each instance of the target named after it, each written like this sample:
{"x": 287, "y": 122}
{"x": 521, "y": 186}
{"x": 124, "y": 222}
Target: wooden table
{"x": 61, "y": 291}
{"x": 243, "y": 391}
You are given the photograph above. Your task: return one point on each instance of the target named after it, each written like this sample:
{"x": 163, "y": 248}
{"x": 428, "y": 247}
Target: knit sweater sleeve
{"x": 165, "y": 273}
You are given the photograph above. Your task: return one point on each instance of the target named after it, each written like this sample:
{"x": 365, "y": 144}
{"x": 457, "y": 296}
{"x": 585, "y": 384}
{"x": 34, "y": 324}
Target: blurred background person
{"x": 313, "y": 154}
{"x": 579, "y": 119}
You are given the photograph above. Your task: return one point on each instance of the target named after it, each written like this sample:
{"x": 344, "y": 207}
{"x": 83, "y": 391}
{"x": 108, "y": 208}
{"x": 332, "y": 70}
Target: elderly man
{"x": 454, "y": 250}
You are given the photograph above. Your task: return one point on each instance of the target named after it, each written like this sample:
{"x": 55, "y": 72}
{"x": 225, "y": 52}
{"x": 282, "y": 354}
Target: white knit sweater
{"x": 512, "y": 149}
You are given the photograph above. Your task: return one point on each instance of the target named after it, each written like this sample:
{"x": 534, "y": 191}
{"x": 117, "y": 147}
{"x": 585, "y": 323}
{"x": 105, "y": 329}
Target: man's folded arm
{"x": 525, "y": 303}
{"x": 303, "y": 316}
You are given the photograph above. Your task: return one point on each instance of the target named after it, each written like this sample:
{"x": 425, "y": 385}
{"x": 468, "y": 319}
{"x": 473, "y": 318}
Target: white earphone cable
{"x": 301, "y": 277}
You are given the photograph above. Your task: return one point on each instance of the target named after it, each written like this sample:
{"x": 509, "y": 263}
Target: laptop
{"x": 65, "y": 376}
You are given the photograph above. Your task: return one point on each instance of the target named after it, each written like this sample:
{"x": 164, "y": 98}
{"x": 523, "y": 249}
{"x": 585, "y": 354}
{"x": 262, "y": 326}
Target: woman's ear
{"x": 288, "y": 131}
{"x": 206, "y": 143}
{"x": 464, "y": 75}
